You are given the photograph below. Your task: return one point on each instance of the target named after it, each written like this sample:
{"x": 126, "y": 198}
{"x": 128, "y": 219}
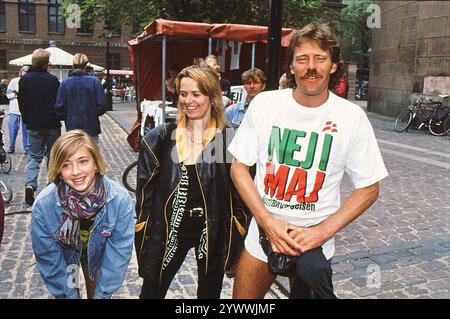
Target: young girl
{"x": 81, "y": 217}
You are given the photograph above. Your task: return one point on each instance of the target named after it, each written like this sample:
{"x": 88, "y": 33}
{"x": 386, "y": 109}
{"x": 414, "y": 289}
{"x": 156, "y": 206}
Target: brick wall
{"x": 413, "y": 41}
{"x": 18, "y": 44}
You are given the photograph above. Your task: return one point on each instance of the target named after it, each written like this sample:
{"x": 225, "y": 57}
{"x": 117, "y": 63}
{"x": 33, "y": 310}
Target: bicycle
{"x": 6, "y": 191}
{"x": 6, "y": 164}
{"x": 418, "y": 114}
{"x": 447, "y": 125}
{"x": 151, "y": 117}
{"x": 129, "y": 177}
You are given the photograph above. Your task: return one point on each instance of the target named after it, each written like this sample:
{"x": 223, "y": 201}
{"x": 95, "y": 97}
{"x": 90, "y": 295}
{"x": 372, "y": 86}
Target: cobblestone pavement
{"x": 399, "y": 248}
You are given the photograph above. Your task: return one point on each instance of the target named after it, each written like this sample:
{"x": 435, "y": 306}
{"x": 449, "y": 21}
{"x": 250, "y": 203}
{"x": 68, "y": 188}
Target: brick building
{"x": 412, "y": 45}
{"x": 26, "y": 25}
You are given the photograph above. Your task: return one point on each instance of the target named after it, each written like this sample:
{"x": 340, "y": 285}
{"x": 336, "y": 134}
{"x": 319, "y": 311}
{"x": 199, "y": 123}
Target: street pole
{"x": 274, "y": 44}
{"x": 108, "y": 80}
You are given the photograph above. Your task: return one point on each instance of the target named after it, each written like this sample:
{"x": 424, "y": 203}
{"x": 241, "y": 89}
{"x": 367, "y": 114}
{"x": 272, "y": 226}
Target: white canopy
{"x": 58, "y": 58}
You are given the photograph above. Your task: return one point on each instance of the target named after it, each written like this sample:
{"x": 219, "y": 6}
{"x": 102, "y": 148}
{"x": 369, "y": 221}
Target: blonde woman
{"x": 184, "y": 196}
{"x": 84, "y": 218}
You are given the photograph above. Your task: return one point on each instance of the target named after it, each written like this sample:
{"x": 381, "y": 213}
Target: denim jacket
{"x": 109, "y": 247}
{"x": 235, "y": 114}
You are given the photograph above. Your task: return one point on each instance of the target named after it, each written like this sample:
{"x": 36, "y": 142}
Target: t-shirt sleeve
{"x": 364, "y": 163}
{"x": 244, "y": 146}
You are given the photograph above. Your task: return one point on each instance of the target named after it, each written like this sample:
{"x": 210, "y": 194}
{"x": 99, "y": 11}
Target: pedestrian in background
{"x": 254, "y": 82}
{"x": 14, "y": 116}
{"x": 81, "y": 99}
{"x": 81, "y": 217}
{"x": 36, "y": 97}
{"x": 170, "y": 84}
{"x": 185, "y": 198}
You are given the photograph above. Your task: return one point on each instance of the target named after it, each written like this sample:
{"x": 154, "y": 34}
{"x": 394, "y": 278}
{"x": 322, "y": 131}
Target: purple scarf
{"x": 77, "y": 206}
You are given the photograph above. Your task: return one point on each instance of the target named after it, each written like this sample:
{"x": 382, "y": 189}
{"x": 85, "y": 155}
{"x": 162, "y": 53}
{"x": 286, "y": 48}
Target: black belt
{"x": 195, "y": 212}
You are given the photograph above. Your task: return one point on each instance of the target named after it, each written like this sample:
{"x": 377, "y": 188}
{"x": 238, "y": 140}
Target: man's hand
{"x": 308, "y": 238}
{"x": 277, "y": 232}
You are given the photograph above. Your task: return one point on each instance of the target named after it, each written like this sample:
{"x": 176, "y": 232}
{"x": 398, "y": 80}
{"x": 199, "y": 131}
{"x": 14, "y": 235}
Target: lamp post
{"x": 108, "y": 35}
{"x": 274, "y": 44}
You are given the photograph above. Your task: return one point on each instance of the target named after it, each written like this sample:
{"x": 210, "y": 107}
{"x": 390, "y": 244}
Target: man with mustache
{"x": 302, "y": 140}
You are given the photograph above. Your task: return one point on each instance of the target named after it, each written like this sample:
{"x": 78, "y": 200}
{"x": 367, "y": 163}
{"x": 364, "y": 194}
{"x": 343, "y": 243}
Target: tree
{"x": 133, "y": 13}
{"x": 138, "y": 13}
{"x": 354, "y": 28}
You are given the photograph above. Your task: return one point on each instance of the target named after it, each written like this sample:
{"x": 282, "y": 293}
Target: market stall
{"x": 165, "y": 43}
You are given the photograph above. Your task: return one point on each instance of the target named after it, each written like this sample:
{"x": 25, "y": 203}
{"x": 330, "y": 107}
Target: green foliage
{"x": 133, "y": 13}
{"x": 354, "y": 28}
{"x": 138, "y": 13}
{"x": 298, "y": 13}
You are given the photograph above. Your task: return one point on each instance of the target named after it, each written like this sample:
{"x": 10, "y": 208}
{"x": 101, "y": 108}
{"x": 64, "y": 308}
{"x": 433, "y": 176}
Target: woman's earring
{"x": 96, "y": 170}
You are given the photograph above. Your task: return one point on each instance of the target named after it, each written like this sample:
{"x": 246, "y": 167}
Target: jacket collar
{"x": 240, "y": 106}
{"x": 182, "y": 142}
{"x": 78, "y": 73}
{"x": 37, "y": 69}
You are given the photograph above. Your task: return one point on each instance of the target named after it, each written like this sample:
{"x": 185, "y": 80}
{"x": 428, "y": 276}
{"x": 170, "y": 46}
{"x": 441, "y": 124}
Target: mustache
{"x": 311, "y": 73}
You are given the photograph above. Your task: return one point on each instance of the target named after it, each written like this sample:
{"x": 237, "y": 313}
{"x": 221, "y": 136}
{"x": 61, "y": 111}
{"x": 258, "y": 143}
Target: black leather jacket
{"x": 158, "y": 177}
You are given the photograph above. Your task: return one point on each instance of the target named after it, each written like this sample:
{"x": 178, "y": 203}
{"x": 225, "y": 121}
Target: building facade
{"x": 26, "y": 25}
{"x": 412, "y": 44}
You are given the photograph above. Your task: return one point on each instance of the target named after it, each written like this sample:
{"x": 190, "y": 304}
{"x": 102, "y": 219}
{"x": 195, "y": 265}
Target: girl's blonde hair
{"x": 67, "y": 145}
{"x": 208, "y": 83}
{"x": 80, "y": 61}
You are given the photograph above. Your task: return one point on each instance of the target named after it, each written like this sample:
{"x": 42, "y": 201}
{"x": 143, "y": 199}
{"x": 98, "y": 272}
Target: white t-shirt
{"x": 12, "y": 96}
{"x": 302, "y": 153}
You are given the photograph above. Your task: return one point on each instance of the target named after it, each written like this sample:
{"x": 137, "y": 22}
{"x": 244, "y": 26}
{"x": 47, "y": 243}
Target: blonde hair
{"x": 208, "y": 83}
{"x": 254, "y": 75}
{"x": 66, "y": 145}
{"x": 40, "y": 58}
{"x": 80, "y": 61}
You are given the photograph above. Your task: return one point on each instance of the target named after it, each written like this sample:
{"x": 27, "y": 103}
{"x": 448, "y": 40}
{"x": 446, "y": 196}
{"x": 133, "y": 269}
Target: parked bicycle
{"x": 423, "y": 113}
{"x": 6, "y": 191}
{"x": 447, "y": 125}
{"x": 151, "y": 117}
{"x": 6, "y": 162}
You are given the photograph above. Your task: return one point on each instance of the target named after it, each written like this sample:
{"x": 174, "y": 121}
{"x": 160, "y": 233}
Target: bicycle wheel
{"x": 447, "y": 125}
{"x": 6, "y": 191}
{"x": 129, "y": 177}
{"x": 403, "y": 120}
{"x": 436, "y": 127}
{"x": 6, "y": 165}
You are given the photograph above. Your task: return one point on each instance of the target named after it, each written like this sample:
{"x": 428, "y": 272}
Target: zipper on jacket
{"x": 206, "y": 217}
{"x": 142, "y": 203}
{"x": 142, "y": 194}
{"x": 231, "y": 232}
{"x": 167, "y": 226}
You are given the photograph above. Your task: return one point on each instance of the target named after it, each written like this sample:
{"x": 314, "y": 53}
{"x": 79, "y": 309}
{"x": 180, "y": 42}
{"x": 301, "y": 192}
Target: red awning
{"x": 189, "y": 40}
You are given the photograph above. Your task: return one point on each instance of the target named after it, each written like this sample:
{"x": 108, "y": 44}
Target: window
{"x": 114, "y": 61}
{"x": 3, "y": 65}
{"x": 27, "y": 16}
{"x": 87, "y": 25}
{"x": 55, "y": 17}
{"x": 2, "y": 16}
{"x": 115, "y": 29}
